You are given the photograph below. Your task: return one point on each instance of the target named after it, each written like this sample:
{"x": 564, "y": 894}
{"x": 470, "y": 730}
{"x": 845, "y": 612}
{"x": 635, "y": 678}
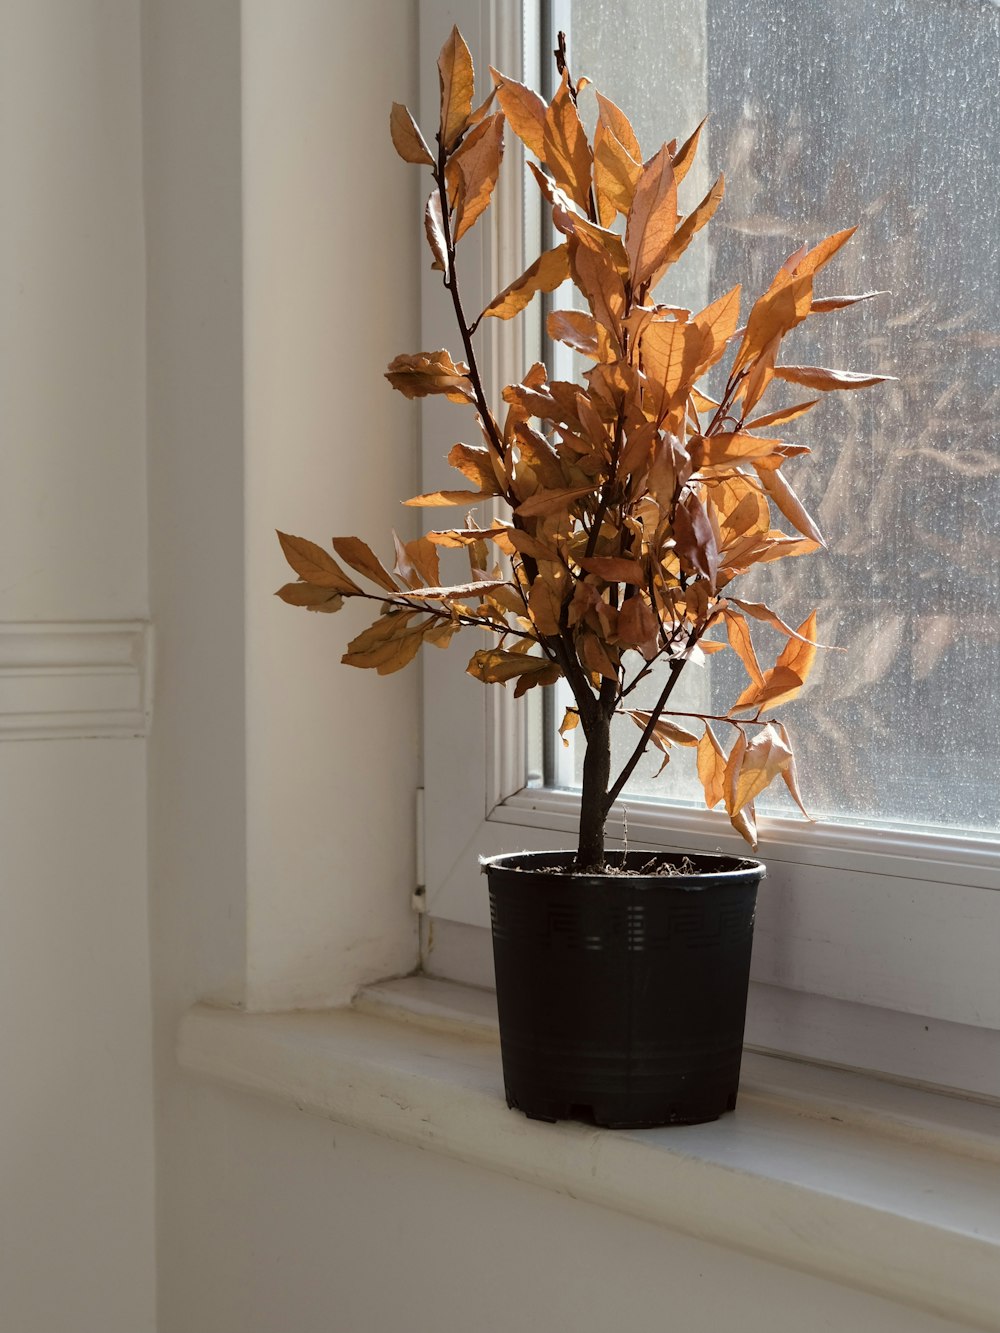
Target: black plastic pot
{"x": 622, "y": 998}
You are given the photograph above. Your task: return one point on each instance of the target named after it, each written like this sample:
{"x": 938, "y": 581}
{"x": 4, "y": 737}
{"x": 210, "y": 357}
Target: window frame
{"x": 905, "y": 922}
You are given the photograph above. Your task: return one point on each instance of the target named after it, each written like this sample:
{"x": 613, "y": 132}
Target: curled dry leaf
{"x": 548, "y": 271}
{"x": 428, "y": 373}
{"x": 818, "y": 377}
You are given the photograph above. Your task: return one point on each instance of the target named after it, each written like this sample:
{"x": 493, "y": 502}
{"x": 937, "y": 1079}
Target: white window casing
{"x": 860, "y": 930}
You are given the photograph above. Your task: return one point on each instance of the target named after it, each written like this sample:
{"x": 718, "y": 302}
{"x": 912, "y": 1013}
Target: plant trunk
{"x": 593, "y": 809}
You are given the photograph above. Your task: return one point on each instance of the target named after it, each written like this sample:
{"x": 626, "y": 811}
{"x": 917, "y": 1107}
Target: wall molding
{"x": 80, "y": 680}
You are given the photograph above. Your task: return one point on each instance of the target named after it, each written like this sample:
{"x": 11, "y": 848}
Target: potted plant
{"x": 627, "y": 506}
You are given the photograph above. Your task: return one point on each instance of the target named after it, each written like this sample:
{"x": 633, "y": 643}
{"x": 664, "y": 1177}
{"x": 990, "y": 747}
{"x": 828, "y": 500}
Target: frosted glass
{"x": 822, "y": 115}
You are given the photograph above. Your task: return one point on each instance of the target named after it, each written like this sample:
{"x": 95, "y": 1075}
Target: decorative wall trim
{"x": 82, "y": 679}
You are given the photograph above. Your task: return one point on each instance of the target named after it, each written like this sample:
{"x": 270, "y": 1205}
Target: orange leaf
{"x": 783, "y": 414}
{"x": 314, "y": 565}
{"x": 789, "y": 503}
{"x": 430, "y": 372}
{"x": 566, "y": 150}
{"x": 711, "y": 767}
{"x": 439, "y": 499}
{"x": 614, "y": 119}
{"x": 361, "y": 557}
{"x": 694, "y": 222}
{"x": 738, "y": 633}
{"x": 821, "y": 254}
{"x": 685, "y": 155}
{"x": 613, "y": 569}
{"x": 551, "y": 502}
{"x": 818, "y": 377}
{"x": 406, "y": 137}
{"x": 525, "y": 111}
{"x": 474, "y": 169}
{"x": 457, "y": 82}
{"x": 574, "y": 328}
{"x": 651, "y": 220}
{"x": 547, "y": 272}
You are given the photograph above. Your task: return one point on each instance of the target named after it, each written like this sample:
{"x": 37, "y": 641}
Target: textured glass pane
{"x": 822, "y": 115}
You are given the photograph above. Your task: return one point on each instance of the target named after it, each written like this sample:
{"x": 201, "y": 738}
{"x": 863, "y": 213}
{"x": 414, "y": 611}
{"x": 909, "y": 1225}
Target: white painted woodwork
{"x": 902, "y": 1204}
{"x": 89, "y": 680}
{"x": 330, "y": 275}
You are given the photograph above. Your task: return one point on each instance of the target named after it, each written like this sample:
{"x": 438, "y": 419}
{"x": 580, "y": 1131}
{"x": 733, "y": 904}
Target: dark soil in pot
{"x": 622, "y": 996}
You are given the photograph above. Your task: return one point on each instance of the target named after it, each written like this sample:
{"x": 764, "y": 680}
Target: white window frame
{"x": 860, "y": 930}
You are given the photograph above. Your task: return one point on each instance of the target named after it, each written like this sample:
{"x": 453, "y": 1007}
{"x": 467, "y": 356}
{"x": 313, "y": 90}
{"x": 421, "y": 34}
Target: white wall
{"x": 76, "y": 1148}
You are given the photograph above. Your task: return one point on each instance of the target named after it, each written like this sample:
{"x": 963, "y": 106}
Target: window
{"x": 891, "y": 902}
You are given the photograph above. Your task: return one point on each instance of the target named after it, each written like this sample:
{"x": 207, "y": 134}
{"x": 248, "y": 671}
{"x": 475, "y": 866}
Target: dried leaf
{"x": 789, "y": 773}
{"x": 776, "y": 313}
{"x": 821, "y": 304}
{"x": 566, "y": 152}
{"x": 361, "y": 557}
{"x": 548, "y": 271}
{"x": 764, "y": 613}
{"x": 613, "y": 569}
{"x": 789, "y": 503}
{"x": 783, "y": 414}
{"x": 684, "y": 157}
{"x": 596, "y": 276}
{"x": 615, "y": 120}
{"x": 651, "y": 220}
{"x": 525, "y": 112}
{"x": 545, "y": 606}
{"x": 711, "y": 767}
{"x": 616, "y": 173}
{"x": 314, "y": 565}
{"x": 431, "y": 372}
{"x": 738, "y": 633}
{"x": 821, "y": 254}
{"x": 440, "y": 499}
{"x": 789, "y": 673}
{"x": 406, "y": 137}
{"x": 575, "y": 328}
{"x": 818, "y": 377}
{"x": 551, "y": 502}
{"x": 764, "y": 758}
{"x": 473, "y": 172}
{"x": 434, "y": 231}
{"x": 665, "y": 732}
{"x": 310, "y": 596}
{"x": 694, "y": 222}
{"x": 457, "y": 82}
{"x": 636, "y": 622}
{"x": 571, "y": 720}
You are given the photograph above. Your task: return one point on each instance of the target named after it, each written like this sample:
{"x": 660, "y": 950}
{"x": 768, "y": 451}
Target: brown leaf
{"x": 601, "y": 284}
{"x": 718, "y": 321}
{"x": 685, "y": 155}
{"x": 545, "y": 606}
{"x": 440, "y": 499}
{"x": 473, "y": 172}
{"x": 525, "y": 112}
{"x": 314, "y": 565}
{"x": 818, "y": 377}
{"x": 361, "y": 557}
{"x": 417, "y": 562}
{"x": 575, "y": 328}
{"x": 406, "y": 137}
{"x": 571, "y": 720}
{"x": 774, "y": 314}
{"x": 567, "y": 153}
{"x": 613, "y": 569}
{"x": 821, "y": 254}
{"x": 785, "y": 679}
{"x": 711, "y": 767}
{"x": 387, "y": 645}
{"x": 821, "y": 304}
{"x": 651, "y": 220}
{"x": 431, "y": 372}
{"x": 764, "y": 758}
{"x": 665, "y": 732}
{"x": 789, "y": 773}
{"x": 547, "y": 272}
{"x": 783, "y": 414}
{"x": 694, "y": 222}
{"x": 789, "y": 503}
{"x": 494, "y": 666}
{"x": 309, "y": 595}
{"x": 477, "y": 464}
{"x": 616, "y": 174}
{"x": 738, "y": 633}
{"x": 457, "y": 591}
{"x": 671, "y": 355}
{"x": 615, "y": 120}
{"x": 636, "y": 622}
{"x": 694, "y": 538}
{"x": 764, "y": 613}
{"x": 434, "y": 231}
{"x": 457, "y": 82}
{"x": 551, "y": 502}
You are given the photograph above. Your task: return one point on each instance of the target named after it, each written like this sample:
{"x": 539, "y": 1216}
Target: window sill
{"x": 888, "y": 1189}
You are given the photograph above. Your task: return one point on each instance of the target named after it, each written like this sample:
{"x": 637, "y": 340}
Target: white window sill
{"x": 889, "y": 1189}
